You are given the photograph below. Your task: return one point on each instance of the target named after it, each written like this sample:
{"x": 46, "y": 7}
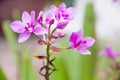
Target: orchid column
{"x": 43, "y": 26}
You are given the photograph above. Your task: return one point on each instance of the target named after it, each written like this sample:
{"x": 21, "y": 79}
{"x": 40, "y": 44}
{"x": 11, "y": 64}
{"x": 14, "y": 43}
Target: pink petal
{"x": 49, "y": 19}
{"x": 73, "y": 38}
{"x": 32, "y": 17}
{"x": 84, "y": 51}
{"x": 58, "y": 16}
{"x": 89, "y": 41}
{"x": 62, "y": 25}
{"x": 17, "y": 26}
{"x": 114, "y": 0}
{"x": 109, "y": 52}
{"x": 68, "y": 13}
{"x": 71, "y": 11}
{"x": 24, "y": 36}
{"x": 54, "y": 8}
{"x": 40, "y": 17}
{"x": 62, "y": 6}
{"x": 26, "y": 18}
{"x": 80, "y": 34}
{"x": 39, "y": 30}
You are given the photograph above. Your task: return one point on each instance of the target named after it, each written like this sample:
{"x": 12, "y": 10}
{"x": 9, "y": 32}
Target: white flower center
{"x": 30, "y": 29}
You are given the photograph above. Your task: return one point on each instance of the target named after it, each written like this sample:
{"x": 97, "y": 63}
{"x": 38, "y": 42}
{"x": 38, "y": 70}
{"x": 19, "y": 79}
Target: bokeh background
{"x": 99, "y": 19}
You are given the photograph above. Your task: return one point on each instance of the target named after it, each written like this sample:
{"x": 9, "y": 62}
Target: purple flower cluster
{"x": 42, "y": 26}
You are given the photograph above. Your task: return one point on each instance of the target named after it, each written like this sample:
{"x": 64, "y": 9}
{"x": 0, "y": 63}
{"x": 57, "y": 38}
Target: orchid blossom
{"x": 63, "y": 15}
{"x": 81, "y": 44}
{"x": 27, "y": 26}
{"x": 108, "y": 52}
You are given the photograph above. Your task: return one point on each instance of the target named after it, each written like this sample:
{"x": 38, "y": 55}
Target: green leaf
{"x": 26, "y": 69}
{"x": 2, "y": 75}
{"x": 89, "y": 62}
{"x": 10, "y": 36}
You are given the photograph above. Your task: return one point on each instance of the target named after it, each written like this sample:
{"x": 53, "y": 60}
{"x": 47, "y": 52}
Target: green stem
{"x": 47, "y": 66}
{"x": 53, "y": 31}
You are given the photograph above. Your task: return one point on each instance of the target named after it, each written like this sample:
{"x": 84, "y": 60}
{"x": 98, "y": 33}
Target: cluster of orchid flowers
{"x": 43, "y": 26}
{"x": 29, "y": 25}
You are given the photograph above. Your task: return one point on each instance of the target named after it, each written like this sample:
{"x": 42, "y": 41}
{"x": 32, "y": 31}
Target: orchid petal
{"x": 84, "y": 51}
{"x": 71, "y": 12}
{"x": 49, "y": 19}
{"x": 89, "y": 41}
{"x": 62, "y": 6}
{"x": 109, "y": 52}
{"x": 26, "y": 18}
{"x": 17, "y": 26}
{"x": 24, "y": 36}
{"x": 54, "y": 8}
{"x": 58, "y": 16}
{"x": 32, "y": 17}
{"x": 39, "y": 30}
{"x": 68, "y": 13}
{"x": 40, "y": 17}
{"x": 79, "y": 34}
{"x": 62, "y": 25}
{"x": 73, "y": 37}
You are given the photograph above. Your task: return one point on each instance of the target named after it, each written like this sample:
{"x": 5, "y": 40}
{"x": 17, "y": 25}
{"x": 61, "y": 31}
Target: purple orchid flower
{"x": 109, "y": 53}
{"x": 63, "y": 15}
{"x": 27, "y": 26}
{"x": 49, "y": 19}
{"x": 81, "y": 44}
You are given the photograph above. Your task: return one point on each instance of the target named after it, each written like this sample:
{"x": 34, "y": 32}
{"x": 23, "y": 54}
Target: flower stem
{"x": 47, "y": 66}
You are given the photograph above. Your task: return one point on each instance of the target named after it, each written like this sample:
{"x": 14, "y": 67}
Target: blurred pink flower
{"x": 27, "y": 26}
{"x": 108, "y": 52}
{"x": 114, "y": 0}
{"x": 81, "y": 44}
{"x": 63, "y": 15}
